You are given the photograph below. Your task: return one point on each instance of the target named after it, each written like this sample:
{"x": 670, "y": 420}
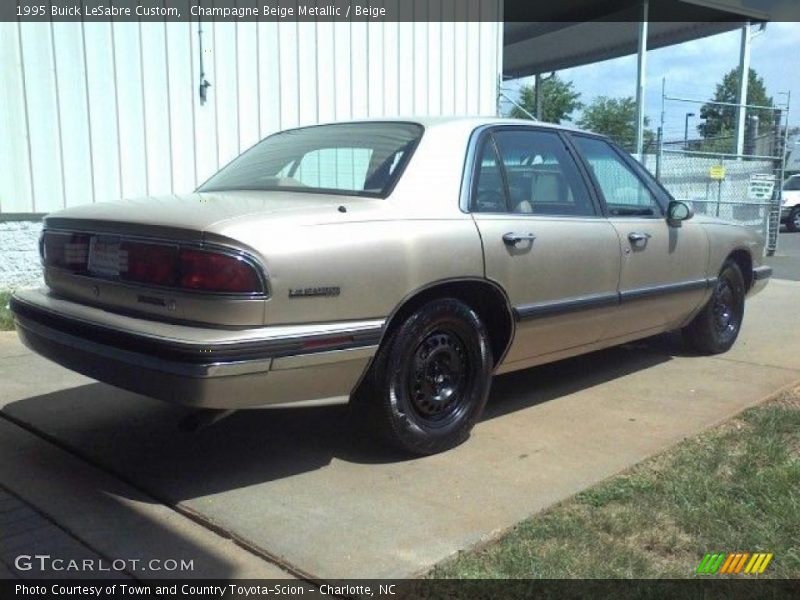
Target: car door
{"x": 663, "y": 269}
{"x": 544, "y": 239}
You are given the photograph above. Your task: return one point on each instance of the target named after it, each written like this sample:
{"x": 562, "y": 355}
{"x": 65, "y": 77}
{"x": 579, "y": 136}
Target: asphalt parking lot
{"x": 786, "y": 262}
{"x": 302, "y": 495}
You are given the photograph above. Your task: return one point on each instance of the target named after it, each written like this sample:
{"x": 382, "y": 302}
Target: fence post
{"x": 719, "y": 185}
{"x": 774, "y": 215}
{"x": 659, "y": 146}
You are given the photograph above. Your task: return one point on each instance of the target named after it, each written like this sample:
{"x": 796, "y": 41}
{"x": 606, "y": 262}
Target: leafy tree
{"x": 723, "y": 142}
{"x": 720, "y": 121}
{"x": 559, "y": 100}
{"x": 616, "y": 118}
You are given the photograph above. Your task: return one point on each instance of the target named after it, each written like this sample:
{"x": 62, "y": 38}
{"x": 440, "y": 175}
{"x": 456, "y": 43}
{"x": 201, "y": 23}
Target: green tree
{"x": 559, "y": 100}
{"x": 616, "y": 118}
{"x": 719, "y": 122}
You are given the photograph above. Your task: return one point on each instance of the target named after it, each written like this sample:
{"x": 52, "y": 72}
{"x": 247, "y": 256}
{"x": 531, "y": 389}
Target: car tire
{"x": 430, "y": 380}
{"x": 793, "y": 222}
{"x": 716, "y": 327}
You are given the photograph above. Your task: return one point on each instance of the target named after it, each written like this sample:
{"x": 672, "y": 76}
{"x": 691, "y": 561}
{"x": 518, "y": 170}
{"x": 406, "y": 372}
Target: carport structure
{"x": 544, "y": 37}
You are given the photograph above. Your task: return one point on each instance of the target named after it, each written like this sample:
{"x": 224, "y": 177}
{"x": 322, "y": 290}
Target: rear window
{"x": 792, "y": 184}
{"x": 349, "y": 158}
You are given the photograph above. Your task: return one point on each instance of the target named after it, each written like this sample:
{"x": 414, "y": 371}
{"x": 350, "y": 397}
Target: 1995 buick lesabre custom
{"x": 396, "y": 264}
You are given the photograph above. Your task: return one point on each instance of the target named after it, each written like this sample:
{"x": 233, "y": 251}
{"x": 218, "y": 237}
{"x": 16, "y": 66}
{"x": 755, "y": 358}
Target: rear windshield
{"x": 792, "y": 184}
{"x": 350, "y": 158}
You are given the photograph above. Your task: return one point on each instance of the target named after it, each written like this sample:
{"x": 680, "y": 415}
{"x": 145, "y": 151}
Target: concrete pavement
{"x": 299, "y": 486}
{"x": 105, "y": 519}
{"x": 25, "y": 531}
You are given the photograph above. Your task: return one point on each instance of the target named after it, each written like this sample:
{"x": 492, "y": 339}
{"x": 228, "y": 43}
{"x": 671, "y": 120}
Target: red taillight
{"x": 65, "y": 250}
{"x": 213, "y": 272}
{"x": 159, "y": 264}
{"x": 150, "y": 263}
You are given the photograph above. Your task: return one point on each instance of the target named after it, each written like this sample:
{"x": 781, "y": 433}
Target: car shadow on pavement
{"x": 138, "y": 439}
{"x": 521, "y": 389}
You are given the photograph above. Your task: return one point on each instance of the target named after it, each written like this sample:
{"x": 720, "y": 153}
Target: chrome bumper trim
{"x": 763, "y": 272}
{"x": 295, "y": 347}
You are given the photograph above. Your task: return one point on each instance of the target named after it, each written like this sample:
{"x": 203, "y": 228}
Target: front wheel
{"x": 793, "y": 224}
{"x": 716, "y": 327}
{"x": 430, "y": 380}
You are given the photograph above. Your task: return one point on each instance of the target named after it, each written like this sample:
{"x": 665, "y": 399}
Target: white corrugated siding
{"x": 100, "y": 111}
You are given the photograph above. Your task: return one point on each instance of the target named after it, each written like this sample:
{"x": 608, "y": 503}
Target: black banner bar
{"x": 508, "y": 11}
{"x": 207, "y": 589}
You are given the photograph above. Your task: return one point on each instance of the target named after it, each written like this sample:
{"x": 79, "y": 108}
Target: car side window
{"x": 489, "y": 192}
{"x": 542, "y": 177}
{"x": 624, "y": 191}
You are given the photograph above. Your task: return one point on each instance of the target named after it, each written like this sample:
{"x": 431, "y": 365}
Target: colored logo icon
{"x": 737, "y": 563}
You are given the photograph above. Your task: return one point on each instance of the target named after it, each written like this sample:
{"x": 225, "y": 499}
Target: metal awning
{"x": 563, "y": 36}
{"x": 541, "y": 37}
{"x": 541, "y": 49}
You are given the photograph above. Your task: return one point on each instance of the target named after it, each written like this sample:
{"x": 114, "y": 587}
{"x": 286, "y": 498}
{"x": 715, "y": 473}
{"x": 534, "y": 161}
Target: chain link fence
{"x": 732, "y": 187}
{"x": 717, "y": 170}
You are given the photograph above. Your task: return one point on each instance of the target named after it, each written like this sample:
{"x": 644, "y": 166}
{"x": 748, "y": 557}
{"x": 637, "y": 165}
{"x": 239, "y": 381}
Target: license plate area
{"x": 106, "y": 257}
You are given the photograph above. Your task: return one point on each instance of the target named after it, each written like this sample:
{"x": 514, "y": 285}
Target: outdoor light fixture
{"x": 686, "y": 131}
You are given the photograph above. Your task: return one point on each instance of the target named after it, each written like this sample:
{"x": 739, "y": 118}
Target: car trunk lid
{"x": 183, "y": 215}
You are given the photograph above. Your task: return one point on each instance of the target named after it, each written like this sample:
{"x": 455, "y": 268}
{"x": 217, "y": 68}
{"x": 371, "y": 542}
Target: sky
{"x": 692, "y": 70}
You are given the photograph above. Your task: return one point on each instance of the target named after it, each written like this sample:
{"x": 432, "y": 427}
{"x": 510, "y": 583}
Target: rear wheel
{"x": 430, "y": 380}
{"x": 716, "y": 327}
{"x": 793, "y": 224}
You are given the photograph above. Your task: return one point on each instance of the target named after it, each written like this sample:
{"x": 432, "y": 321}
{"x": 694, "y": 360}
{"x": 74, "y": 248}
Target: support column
{"x": 641, "y": 75}
{"x": 744, "y": 76}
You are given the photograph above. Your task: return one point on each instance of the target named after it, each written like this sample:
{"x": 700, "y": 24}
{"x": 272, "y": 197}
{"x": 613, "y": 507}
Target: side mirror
{"x": 678, "y": 211}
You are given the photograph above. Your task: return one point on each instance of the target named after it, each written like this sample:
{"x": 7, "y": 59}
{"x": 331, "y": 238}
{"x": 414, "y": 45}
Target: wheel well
{"x": 483, "y": 297}
{"x": 745, "y": 262}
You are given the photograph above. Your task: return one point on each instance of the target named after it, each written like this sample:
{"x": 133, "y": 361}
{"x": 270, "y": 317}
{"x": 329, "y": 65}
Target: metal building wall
{"x": 97, "y": 111}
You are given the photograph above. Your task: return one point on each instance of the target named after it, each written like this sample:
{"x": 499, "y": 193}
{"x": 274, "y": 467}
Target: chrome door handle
{"x": 637, "y": 238}
{"x": 511, "y": 239}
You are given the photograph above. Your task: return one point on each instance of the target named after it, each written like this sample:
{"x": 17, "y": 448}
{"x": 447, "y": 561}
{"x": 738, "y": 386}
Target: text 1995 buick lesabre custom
{"x": 398, "y": 264}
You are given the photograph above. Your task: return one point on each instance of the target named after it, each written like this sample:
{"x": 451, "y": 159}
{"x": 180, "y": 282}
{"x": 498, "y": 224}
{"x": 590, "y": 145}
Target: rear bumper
{"x": 197, "y": 366}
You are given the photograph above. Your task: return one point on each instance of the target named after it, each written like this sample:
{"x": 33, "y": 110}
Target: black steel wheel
{"x": 726, "y": 310}
{"x": 716, "y": 327}
{"x": 437, "y": 377}
{"x": 430, "y": 380}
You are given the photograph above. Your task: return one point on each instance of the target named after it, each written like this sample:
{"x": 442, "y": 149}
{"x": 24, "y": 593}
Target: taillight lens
{"x": 213, "y": 272}
{"x": 65, "y": 250}
{"x": 150, "y": 263}
{"x": 162, "y": 265}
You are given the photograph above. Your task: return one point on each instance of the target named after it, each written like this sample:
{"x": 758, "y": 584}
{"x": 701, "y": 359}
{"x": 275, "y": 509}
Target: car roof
{"x": 478, "y": 120}
{"x": 464, "y": 121}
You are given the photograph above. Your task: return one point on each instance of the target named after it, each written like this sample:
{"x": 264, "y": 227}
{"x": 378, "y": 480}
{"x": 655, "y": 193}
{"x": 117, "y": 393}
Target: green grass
{"x": 6, "y": 320}
{"x": 733, "y": 488}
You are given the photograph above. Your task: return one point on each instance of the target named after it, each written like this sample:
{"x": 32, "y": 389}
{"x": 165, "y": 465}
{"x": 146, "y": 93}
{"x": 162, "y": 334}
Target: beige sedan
{"x": 393, "y": 264}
